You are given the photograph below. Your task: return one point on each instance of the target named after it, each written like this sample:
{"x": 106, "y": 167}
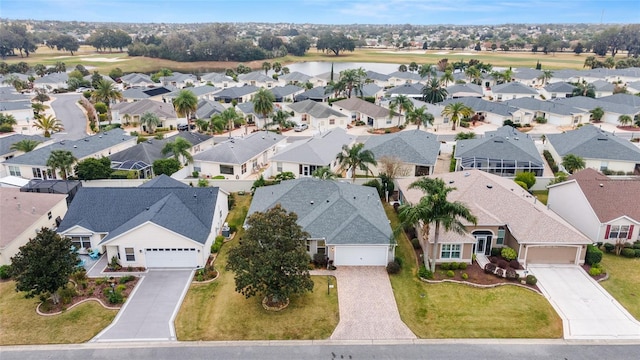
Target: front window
{"x": 14, "y": 171}
{"x": 81, "y": 242}
{"x": 604, "y": 165}
{"x": 37, "y": 173}
{"x": 500, "y": 239}
{"x": 450, "y": 251}
{"x": 332, "y": 121}
{"x": 129, "y": 254}
{"x": 226, "y": 169}
{"x": 618, "y": 232}
{"x": 322, "y": 247}
{"x": 244, "y": 168}
{"x": 279, "y": 166}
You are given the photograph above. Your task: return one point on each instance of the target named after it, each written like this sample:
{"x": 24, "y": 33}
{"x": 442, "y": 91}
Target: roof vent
{"x": 33, "y": 210}
{"x": 489, "y": 186}
{"x": 451, "y": 181}
{"x": 75, "y": 146}
{"x": 601, "y": 185}
{"x": 466, "y": 174}
{"x": 147, "y": 208}
{"x": 311, "y": 202}
{"x": 87, "y": 139}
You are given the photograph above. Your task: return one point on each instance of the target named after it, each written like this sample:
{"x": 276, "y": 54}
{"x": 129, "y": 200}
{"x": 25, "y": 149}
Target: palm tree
{"x": 230, "y": 117}
{"x": 179, "y": 148}
{"x": 456, "y": 111}
{"x": 263, "y": 103}
{"x": 420, "y": 116}
{"x": 266, "y": 66}
{"x": 584, "y": 89}
{"x": 202, "y": 124}
{"x": 324, "y": 173}
{"x": 217, "y": 123}
{"x": 473, "y": 73}
{"x": 277, "y": 67}
{"x": 625, "y": 120}
{"x": 354, "y": 158}
{"x": 402, "y": 102}
{"x": 447, "y": 77}
{"x": 186, "y": 103}
{"x": 61, "y": 160}
{"x": 433, "y": 92}
{"x": 545, "y": 76}
{"x": 37, "y": 109}
{"x": 49, "y": 124}
{"x": 434, "y": 208}
{"x": 596, "y": 114}
{"x": 427, "y": 70}
{"x": 507, "y": 75}
{"x": 25, "y": 145}
{"x": 281, "y": 119}
{"x": 106, "y": 92}
{"x": 573, "y": 163}
{"x": 7, "y": 121}
{"x": 353, "y": 79}
{"x": 150, "y": 120}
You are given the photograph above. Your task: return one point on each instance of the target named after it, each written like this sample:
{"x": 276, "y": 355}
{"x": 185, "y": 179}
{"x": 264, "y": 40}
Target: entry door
{"x": 481, "y": 242}
{"x": 305, "y": 170}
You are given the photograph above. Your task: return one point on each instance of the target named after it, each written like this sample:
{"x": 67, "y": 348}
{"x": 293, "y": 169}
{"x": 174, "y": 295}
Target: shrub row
{"x": 453, "y": 266}
{"x": 425, "y": 273}
{"x": 550, "y": 161}
{"x": 217, "y": 244}
{"x": 594, "y": 255}
{"x": 507, "y": 273}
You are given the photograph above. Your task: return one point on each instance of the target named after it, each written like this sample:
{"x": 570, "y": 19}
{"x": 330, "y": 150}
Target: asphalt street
{"x": 68, "y": 112}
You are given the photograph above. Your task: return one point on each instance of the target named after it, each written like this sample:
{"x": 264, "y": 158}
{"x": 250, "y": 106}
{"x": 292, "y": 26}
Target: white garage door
{"x": 361, "y": 255}
{"x": 171, "y": 257}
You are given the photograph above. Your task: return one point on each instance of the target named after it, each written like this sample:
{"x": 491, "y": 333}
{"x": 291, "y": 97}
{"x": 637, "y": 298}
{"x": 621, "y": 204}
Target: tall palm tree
{"x": 61, "y": 160}
{"x": 353, "y": 80}
{"x": 428, "y": 71}
{"x": 281, "y": 118}
{"x": 420, "y": 116}
{"x": 263, "y": 103}
{"x": 277, "y": 67}
{"x": 507, "y": 75}
{"x": 230, "y": 117}
{"x": 596, "y": 114}
{"x": 217, "y": 124}
{"x": 447, "y": 78}
{"x": 186, "y": 103}
{"x": 545, "y": 76}
{"x": 38, "y": 108}
{"x": 324, "y": 173}
{"x": 573, "y": 163}
{"x": 455, "y": 111}
{"x": 49, "y": 124}
{"x": 179, "y": 148}
{"x": 401, "y": 102}
{"x": 106, "y": 92}
{"x": 473, "y": 73}
{"x": 625, "y": 120}
{"x": 434, "y": 208}
{"x": 433, "y": 93}
{"x": 25, "y": 145}
{"x": 266, "y": 66}
{"x": 354, "y": 158}
{"x": 150, "y": 120}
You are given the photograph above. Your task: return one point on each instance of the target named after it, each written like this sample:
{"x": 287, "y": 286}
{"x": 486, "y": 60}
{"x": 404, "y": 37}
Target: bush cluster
{"x": 594, "y": 255}
{"x": 531, "y": 280}
{"x": 511, "y": 274}
{"x": 393, "y": 267}
{"x": 503, "y": 263}
{"x": 5, "y": 272}
{"x": 217, "y": 244}
{"x": 450, "y": 273}
{"x": 495, "y": 251}
{"x": 126, "y": 279}
{"x": 508, "y": 253}
{"x": 465, "y": 276}
{"x": 628, "y": 252}
{"x": 490, "y": 268}
{"x": 425, "y": 273}
{"x": 552, "y": 163}
{"x": 609, "y": 247}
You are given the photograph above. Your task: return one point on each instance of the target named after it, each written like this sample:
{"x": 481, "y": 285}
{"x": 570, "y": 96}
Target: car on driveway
{"x": 300, "y": 127}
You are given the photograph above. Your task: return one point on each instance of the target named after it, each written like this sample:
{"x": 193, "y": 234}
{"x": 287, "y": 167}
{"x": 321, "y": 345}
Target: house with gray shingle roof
{"x": 377, "y": 78}
{"x": 599, "y": 149}
{"x": 319, "y": 116}
{"x": 491, "y": 112}
{"x": 612, "y": 110}
{"x": 34, "y": 163}
{"x": 604, "y": 209}
{"x": 464, "y": 90}
{"x": 372, "y": 90}
{"x": 413, "y": 90}
{"x": 603, "y": 88}
{"x": 527, "y": 76}
{"x": 201, "y": 92}
{"x": 372, "y": 115}
{"x": 240, "y": 94}
{"x": 132, "y": 112}
{"x": 137, "y": 79}
{"x": 53, "y": 81}
{"x": 512, "y": 90}
{"x": 162, "y": 224}
{"x": 22, "y": 112}
{"x": 555, "y": 112}
{"x": 404, "y": 77}
{"x": 507, "y": 215}
{"x": 504, "y": 152}
{"x": 345, "y": 222}
{"x": 218, "y": 80}
{"x": 415, "y": 150}
{"x": 179, "y": 80}
{"x": 303, "y": 157}
{"x": 557, "y": 90}
{"x": 295, "y": 78}
{"x": 239, "y": 158}
{"x": 207, "y": 108}
{"x": 7, "y": 141}
{"x": 623, "y": 99}
{"x": 318, "y": 94}
{"x": 257, "y": 78}
{"x": 286, "y": 93}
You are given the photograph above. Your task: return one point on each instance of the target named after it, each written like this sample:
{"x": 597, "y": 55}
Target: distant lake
{"x": 313, "y": 68}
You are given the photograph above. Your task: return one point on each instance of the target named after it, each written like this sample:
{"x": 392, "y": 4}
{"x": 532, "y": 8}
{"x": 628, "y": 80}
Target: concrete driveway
{"x": 149, "y": 312}
{"x": 587, "y": 310}
{"x": 368, "y": 309}
{"x": 67, "y": 110}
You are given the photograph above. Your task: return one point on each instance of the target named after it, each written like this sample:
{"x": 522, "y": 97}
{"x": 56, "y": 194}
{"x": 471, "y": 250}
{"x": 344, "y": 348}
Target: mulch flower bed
{"x": 597, "y": 277}
{"x": 207, "y": 273}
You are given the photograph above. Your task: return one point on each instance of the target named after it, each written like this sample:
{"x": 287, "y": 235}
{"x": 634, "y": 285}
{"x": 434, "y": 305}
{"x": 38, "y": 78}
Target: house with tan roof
{"x": 603, "y": 208}
{"x": 373, "y": 115}
{"x": 507, "y": 216}
{"x": 317, "y": 115}
{"x": 23, "y": 214}
{"x": 132, "y": 112}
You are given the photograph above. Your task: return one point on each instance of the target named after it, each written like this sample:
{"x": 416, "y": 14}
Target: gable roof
{"x": 602, "y": 85}
{"x": 513, "y": 88}
{"x": 500, "y": 201}
{"x": 136, "y": 78}
{"x": 341, "y": 213}
{"x": 609, "y": 198}
{"x": 187, "y": 211}
{"x": 216, "y": 77}
{"x": 7, "y": 141}
{"x": 281, "y": 91}
{"x": 590, "y": 142}
{"x": 406, "y": 89}
{"x": 363, "y": 106}
{"x": 370, "y": 89}
{"x": 247, "y": 108}
{"x": 407, "y": 75}
{"x": 207, "y": 108}
{"x": 481, "y": 105}
{"x": 295, "y": 76}
{"x": 318, "y": 150}
{"x": 236, "y": 92}
{"x": 237, "y": 151}
{"x": 462, "y": 90}
{"x": 411, "y": 147}
{"x": 622, "y": 99}
{"x": 197, "y": 90}
{"x": 52, "y": 78}
{"x": 318, "y": 92}
{"x": 504, "y": 143}
{"x": 377, "y": 76}
{"x": 255, "y": 76}
{"x": 553, "y": 107}
{"x": 315, "y": 109}
{"x": 162, "y": 109}
{"x": 560, "y": 87}
{"x": 163, "y": 181}
{"x": 587, "y": 103}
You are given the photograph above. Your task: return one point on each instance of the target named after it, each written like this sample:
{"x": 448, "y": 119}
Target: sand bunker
{"x": 101, "y": 59}
{"x": 463, "y": 53}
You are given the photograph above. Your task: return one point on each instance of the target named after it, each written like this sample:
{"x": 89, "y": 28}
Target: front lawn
{"x": 624, "y": 281}
{"x": 461, "y": 311}
{"x": 215, "y": 311}
{"x": 20, "y": 324}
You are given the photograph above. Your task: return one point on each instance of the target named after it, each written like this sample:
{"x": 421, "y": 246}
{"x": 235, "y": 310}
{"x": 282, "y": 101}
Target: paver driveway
{"x": 368, "y": 309}
{"x": 149, "y": 312}
{"x": 587, "y": 310}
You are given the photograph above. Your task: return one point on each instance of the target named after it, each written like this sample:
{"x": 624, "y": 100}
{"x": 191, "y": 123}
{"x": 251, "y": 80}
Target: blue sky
{"x": 328, "y": 11}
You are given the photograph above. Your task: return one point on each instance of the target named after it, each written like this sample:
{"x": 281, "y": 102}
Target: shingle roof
{"x": 295, "y": 76}
{"x": 505, "y": 143}
{"x": 281, "y": 91}
{"x": 240, "y": 150}
{"x": 318, "y": 150}
{"x": 587, "y": 103}
{"x": 136, "y": 78}
{"x": 411, "y": 147}
{"x": 208, "y": 108}
{"x": 590, "y": 142}
{"x": 163, "y": 181}
{"x": 236, "y": 92}
{"x": 15, "y": 105}
{"x": 370, "y": 89}
{"x": 341, "y": 213}
{"x": 53, "y": 78}
{"x": 405, "y": 75}
{"x": 135, "y": 93}
{"x": 622, "y": 99}
{"x": 377, "y": 76}
{"x": 79, "y": 148}
{"x": 500, "y": 201}
{"x": 406, "y": 89}
{"x": 526, "y": 73}
{"x": 163, "y": 110}
{"x": 247, "y": 108}
{"x": 317, "y": 92}
{"x": 609, "y": 198}
{"x": 9, "y": 94}
{"x": 481, "y": 105}
{"x": 186, "y": 211}
{"x": 197, "y": 91}
{"x": 560, "y": 87}
{"x": 362, "y": 106}
{"x": 602, "y": 85}
{"x": 255, "y": 76}
{"x": 460, "y": 90}
{"x": 151, "y": 150}
{"x": 513, "y": 88}
{"x": 216, "y": 77}
{"x": 315, "y": 109}
{"x": 553, "y": 107}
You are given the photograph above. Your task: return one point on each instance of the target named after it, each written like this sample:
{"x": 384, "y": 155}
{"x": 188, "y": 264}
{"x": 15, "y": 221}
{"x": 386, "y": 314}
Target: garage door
{"x": 171, "y": 257}
{"x": 551, "y": 255}
{"x": 361, "y": 255}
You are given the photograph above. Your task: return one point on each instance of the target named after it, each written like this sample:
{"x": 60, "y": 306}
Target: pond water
{"x": 313, "y": 68}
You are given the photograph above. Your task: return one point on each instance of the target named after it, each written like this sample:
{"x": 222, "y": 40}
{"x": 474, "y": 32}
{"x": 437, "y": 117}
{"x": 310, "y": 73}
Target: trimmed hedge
{"x": 531, "y": 280}
{"x": 594, "y": 255}
{"x": 425, "y": 273}
{"x": 508, "y": 253}
{"x": 217, "y": 244}
{"x": 393, "y": 268}
{"x": 628, "y": 252}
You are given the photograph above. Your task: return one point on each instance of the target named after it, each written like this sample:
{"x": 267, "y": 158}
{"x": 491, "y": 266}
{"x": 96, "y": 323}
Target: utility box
{"x": 225, "y": 230}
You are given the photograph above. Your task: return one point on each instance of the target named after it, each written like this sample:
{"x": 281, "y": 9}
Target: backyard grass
{"x": 215, "y": 311}
{"x": 460, "y": 311}
{"x": 542, "y": 195}
{"x": 104, "y": 62}
{"x": 624, "y": 281}
{"x": 20, "y": 324}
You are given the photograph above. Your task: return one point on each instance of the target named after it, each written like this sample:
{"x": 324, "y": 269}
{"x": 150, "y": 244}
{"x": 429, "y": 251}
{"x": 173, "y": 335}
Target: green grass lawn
{"x": 215, "y": 311}
{"x": 542, "y": 195}
{"x": 461, "y": 311}
{"x": 624, "y": 281}
{"x": 20, "y": 324}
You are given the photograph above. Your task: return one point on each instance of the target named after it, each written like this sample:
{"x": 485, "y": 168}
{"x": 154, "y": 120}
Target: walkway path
{"x": 368, "y": 309}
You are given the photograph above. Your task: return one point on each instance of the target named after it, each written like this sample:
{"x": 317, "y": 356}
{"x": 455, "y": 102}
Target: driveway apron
{"x": 368, "y": 309}
{"x": 588, "y": 311}
{"x": 149, "y": 312}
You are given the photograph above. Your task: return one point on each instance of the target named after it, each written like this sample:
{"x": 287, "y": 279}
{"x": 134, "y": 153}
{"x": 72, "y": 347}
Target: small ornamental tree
{"x": 271, "y": 260}
{"x": 526, "y": 177}
{"x": 166, "y": 166}
{"x": 91, "y": 169}
{"x": 44, "y": 264}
